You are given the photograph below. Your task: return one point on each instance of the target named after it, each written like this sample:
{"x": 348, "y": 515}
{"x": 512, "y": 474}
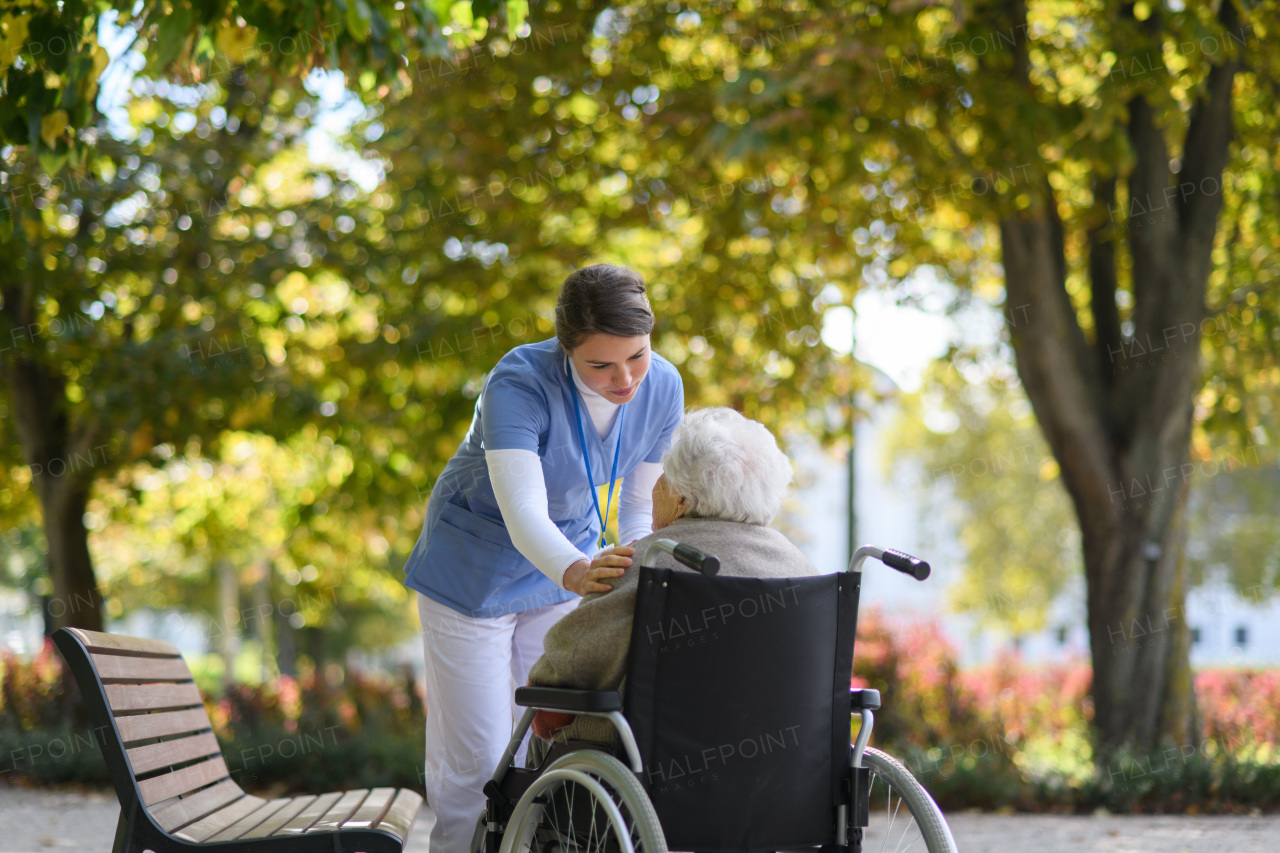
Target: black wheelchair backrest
{"x": 738, "y": 695}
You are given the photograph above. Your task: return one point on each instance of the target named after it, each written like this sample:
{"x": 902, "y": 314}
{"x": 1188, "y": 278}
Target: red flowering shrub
{"x": 1017, "y": 734}
{"x": 32, "y": 691}
{"x": 913, "y": 666}
{"x": 305, "y": 735}
{"x": 323, "y": 732}
{"x": 45, "y": 733}
{"x": 1006, "y": 734}
{"x": 1240, "y": 707}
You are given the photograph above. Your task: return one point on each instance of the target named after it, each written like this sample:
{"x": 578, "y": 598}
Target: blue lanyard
{"x": 586, "y": 460}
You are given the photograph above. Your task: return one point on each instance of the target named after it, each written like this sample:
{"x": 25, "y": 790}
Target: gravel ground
{"x": 48, "y": 821}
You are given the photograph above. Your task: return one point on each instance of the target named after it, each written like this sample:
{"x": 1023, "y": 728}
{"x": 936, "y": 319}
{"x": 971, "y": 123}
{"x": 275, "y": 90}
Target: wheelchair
{"x": 735, "y": 730}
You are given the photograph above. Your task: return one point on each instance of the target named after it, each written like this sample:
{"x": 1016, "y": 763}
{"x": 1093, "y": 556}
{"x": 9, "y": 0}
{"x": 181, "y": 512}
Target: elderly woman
{"x": 723, "y": 481}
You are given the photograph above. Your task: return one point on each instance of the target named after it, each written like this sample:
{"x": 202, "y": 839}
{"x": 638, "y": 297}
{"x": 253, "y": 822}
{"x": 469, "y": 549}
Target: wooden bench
{"x": 174, "y": 787}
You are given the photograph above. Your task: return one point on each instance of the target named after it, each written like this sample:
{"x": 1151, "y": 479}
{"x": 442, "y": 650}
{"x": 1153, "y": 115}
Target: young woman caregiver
{"x": 510, "y": 525}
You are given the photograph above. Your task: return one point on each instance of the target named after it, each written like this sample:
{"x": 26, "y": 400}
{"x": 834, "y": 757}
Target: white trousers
{"x": 473, "y": 668}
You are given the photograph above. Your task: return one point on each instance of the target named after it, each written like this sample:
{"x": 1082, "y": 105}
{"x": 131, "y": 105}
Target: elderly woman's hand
{"x": 584, "y": 577}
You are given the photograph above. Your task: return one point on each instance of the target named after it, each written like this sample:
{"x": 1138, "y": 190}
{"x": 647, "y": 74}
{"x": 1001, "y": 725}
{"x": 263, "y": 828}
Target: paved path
{"x": 49, "y": 821}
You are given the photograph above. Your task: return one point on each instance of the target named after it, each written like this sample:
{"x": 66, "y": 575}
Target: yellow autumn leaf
{"x": 53, "y": 126}
{"x": 100, "y": 61}
{"x": 235, "y": 42}
{"x": 143, "y": 111}
{"x": 13, "y": 35}
{"x": 89, "y": 84}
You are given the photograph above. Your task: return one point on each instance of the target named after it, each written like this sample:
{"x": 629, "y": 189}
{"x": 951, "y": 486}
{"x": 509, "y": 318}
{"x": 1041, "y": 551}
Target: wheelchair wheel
{"x": 586, "y": 802}
{"x": 902, "y": 814}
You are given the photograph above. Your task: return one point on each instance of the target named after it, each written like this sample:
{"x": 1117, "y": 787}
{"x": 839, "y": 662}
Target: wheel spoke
{"x": 591, "y": 803}
{"x": 907, "y": 820}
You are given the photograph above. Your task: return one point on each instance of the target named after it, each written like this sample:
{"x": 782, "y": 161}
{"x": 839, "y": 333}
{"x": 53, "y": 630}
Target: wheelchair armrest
{"x": 569, "y": 701}
{"x": 861, "y": 698}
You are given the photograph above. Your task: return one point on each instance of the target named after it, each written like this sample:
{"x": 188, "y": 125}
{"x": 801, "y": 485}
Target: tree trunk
{"x": 286, "y": 645}
{"x": 229, "y": 609}
{"x": 63, "y": 462}
{"x": 1117, "y": 410}
{"x": 76, "y": 601}
{"x": 1128, "y": 483}
{"x": 263, "y": 624}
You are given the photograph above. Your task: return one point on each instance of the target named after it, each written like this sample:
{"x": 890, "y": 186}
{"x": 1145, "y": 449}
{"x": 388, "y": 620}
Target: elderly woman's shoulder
{"x": 743, "y": 549}
{"x": 797, "y": 564}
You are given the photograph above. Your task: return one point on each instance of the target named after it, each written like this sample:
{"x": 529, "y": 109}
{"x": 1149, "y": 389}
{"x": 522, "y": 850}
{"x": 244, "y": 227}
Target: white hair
{"x": 728, "y": 466}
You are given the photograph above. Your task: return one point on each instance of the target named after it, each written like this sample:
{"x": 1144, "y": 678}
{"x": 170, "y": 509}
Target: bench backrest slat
{"x": 202, "y": 804}
{"x": 211, "y": 824}
{"x": 153, "y": 756}
{"x": 138, "y": 727}
{"x": 117, "y": 668}
{"x": 152, "y": 697}
{"x": 96, "y": 641}
{"x": 184, "y": 781}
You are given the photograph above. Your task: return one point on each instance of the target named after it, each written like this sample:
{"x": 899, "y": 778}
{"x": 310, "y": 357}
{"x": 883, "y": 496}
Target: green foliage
{"x": 51, "y": 60}
{"x": 1231, "y": 523}
{"x": 276, "y": 512}
{"x": 983, "y": 465}
{"x": 216, "y": 282}
{"x": 544, "y": 155}
{"x": 198, "y": 280}
{"x": 1167, "y": 781}
{"x": 20, "y": 557}
{"x": 980, "y": 462}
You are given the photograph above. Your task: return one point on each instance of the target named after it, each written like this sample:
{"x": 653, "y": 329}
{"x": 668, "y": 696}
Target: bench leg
{"x": 127, "y": 836}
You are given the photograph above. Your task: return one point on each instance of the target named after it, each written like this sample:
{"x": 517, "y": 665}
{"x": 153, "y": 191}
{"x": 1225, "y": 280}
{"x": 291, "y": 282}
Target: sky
{"x": 902, "y": 340}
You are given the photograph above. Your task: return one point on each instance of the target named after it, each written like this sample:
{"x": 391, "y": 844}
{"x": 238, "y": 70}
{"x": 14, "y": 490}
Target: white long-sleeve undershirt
{"x": 635, "y": 507}
{"x": 521, "y": 492}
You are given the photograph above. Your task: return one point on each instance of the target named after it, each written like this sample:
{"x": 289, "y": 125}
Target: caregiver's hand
{"x": 583, "y": 577}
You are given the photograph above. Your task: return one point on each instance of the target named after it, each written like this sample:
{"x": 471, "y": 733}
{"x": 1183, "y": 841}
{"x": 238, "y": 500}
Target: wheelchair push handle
{"x": 894, "y": 559}
{"x": 694, "y": 558}
{"x": 701, "y": 561}
{"x": 906, "y": 564}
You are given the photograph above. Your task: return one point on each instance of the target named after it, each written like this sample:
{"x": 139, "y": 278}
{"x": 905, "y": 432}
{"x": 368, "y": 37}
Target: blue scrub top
{"x": 464, "y": 557}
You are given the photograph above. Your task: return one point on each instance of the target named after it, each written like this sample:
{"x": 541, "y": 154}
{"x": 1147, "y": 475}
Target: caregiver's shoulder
{"x": 663, "y": 372}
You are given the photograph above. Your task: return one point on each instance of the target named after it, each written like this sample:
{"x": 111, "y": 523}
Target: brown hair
{"x": 602, "y": 299}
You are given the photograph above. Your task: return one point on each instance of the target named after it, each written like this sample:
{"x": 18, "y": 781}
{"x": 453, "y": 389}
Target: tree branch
{"x": 1103, "y": 284}
{"x": 1053, "y": 359}
{"x": 1152, "y": 229}
{"x": 1173, "y": 259}
{"x": 1204, "y": 158}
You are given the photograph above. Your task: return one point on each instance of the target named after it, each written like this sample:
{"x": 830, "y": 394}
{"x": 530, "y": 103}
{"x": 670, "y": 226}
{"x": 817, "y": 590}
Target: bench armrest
{"x": 569, "y": 701}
